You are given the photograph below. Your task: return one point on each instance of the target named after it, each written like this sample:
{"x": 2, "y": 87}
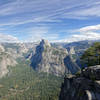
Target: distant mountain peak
{"x": 45, "y": 43}
{"x": 51, "y": 59}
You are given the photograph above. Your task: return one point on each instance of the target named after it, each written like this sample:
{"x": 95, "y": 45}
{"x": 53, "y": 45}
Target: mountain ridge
{"x": 50, "y": 59}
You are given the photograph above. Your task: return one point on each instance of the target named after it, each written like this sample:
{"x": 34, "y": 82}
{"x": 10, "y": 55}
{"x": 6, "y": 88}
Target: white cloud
{"x": 88, "y": 33}
{"x": 19, "y": 12}
{"x": 86, "y": 36}
{"x": 8, "y": 38}
{"x": 43, "y": 32}
{"x": 90, "y": 28}
{"x": 38, "y": 33}
{"x": 88, "y": 9}
{"x": 23, "y": 11}
{"x": 84, "y": 33}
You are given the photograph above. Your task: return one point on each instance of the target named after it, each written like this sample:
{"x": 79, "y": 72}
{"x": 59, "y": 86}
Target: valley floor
{"x": 23, "y": 83}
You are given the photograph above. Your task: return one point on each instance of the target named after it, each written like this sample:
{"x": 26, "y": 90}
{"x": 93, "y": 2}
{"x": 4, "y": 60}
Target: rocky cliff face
{"x": 9, "y": 52}
{"x": 2, "y": 48}
{"x": 8, "y": 55}
{"x": 71, "y": 65}
{"x": 71, "y": 50}
{"x": 52, "y": 60}
{"x": 5, "y": 61}
{"x": 49, "y": 59}
{"x": 44, "y": 57}
{"x": 84, "y": 86}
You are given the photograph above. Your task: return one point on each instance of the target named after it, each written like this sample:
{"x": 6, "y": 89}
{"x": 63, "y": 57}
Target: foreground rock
{"x": 85, "y": 86}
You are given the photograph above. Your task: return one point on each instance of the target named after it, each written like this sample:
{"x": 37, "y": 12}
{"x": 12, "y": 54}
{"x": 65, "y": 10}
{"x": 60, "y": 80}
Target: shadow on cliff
{"x": 83, "y": 87}
{"x": 36, "y": 58}
{"x": 71, "y": 65}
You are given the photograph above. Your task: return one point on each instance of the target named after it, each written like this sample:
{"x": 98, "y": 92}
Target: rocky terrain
{"x": 44, "y": 57}
{"x": 9, "y": 52}
{"x": 5, "y": 60}
{"x": 71, "y": 64}
{"x": 25, "y": 60}
{"x": 49, "y": 59}
{"x": 76, "y": 49}
{"x": 52, "y": 59}
{"x": 83, "y": 86}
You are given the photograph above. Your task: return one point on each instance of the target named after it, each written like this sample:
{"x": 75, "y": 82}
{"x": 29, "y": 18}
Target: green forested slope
{"x": 91, "y": 56}
{"x": 23, "y": 83}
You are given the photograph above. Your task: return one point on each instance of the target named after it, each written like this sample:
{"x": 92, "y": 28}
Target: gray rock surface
{"x": 85, "y": 86}
{"x": 71, "y": 65}
{"x": 54, "y": 60}
{"x": 5, "y": 61}
{"x": 9, "y": 52}
{"x": 49, "y": 59}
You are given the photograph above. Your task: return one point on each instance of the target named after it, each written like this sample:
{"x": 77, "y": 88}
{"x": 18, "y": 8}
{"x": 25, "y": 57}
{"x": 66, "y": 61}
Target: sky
{"x": 54, "y": 20}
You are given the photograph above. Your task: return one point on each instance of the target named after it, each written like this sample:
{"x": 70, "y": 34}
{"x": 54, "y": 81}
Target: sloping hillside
{"x": 23, "y": 83}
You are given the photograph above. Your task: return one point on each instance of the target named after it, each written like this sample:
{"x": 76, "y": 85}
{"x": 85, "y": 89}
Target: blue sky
{"x": 54, "y": 20}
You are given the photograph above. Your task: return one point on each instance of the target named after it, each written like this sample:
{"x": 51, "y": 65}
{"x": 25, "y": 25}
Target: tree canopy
{"x": 91, "y": 56}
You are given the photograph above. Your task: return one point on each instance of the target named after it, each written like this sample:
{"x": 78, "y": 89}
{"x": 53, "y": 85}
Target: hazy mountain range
{"x": 55, "y": 58}
{"x": 36, "y": 70}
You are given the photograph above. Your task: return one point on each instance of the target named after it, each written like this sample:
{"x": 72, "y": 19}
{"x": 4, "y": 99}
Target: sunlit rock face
{"x": 5, "y": 61}
{"x": 84, "y": 86}
{"x": 8, "y": 55}
{"x": 49, "y": 59}
{"x": 43, "y": 56}
{"x": 52, "y": 60}
{"x": 10, "y": 52}
{"x": 1, "y": 48}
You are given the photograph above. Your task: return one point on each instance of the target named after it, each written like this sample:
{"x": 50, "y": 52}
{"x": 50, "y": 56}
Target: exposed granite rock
{"x": 92, "y": 72}
{"x": 49, "y": 59}
{"x": 9, "y": 52}
{"x": 71, "y": 65}
{"x": 71, "y": 50}
{"x": 1, "y": 48}
{"x": 54, "y": 60}
{"x": 85, "y": 86}
{"x": 5, "y": 61}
